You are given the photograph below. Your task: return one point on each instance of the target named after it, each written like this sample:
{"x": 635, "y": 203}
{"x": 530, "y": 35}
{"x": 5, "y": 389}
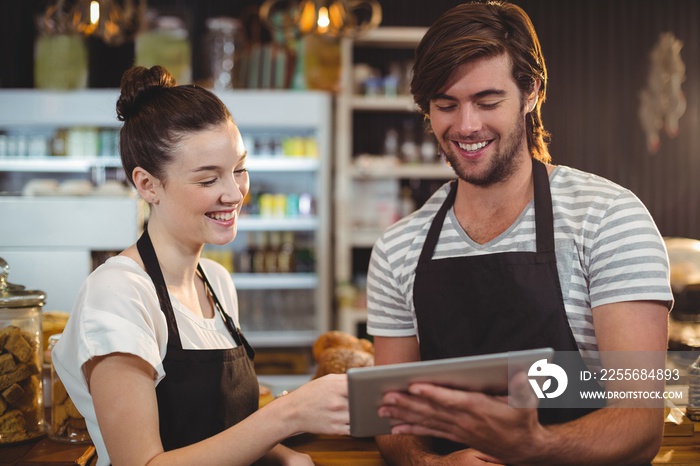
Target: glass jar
{"x": 692, "y": 411}
{"x": 60, "y": 62}
{"x": 67, "y": 424}
{"x": 223, "y": 46}
{"x": 21, "y": 392}
{"x": 166, "y": 44}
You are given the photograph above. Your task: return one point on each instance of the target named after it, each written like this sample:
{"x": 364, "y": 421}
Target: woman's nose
{"x": 232, "y": 193}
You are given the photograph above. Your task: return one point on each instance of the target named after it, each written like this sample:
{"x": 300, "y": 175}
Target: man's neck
{"x": 485, "y": 212}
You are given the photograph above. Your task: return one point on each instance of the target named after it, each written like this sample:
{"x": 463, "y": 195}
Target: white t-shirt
{"x": 117, "y": 310}
{"x": 607, "y": 246}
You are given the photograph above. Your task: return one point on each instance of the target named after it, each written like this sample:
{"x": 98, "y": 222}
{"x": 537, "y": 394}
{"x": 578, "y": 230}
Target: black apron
{"x": 204, "y": 391}
{"x": 494, "y": 303}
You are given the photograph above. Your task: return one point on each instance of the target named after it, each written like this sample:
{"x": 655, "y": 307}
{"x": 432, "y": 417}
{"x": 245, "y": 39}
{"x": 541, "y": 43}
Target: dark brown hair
{"x": 471, "y": 31}
{"x": 157, "y": 114}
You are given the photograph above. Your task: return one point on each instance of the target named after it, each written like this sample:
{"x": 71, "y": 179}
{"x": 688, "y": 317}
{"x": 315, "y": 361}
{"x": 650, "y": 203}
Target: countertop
{"x": 681, "y": 446}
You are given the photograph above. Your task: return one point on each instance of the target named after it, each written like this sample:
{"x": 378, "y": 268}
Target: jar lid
{"x": 12, "y": 295}
{"x": 223, "y": 23}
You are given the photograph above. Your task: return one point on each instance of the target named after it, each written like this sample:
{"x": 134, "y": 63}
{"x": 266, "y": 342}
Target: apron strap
{"x": 150, "y": 261}
{"x": 544, "y": 218}
{"x": 231, "y": 326}
{"x": 434, "y": 232}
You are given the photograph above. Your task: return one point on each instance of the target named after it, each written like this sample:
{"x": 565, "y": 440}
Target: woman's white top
{"x": 117, "y": 311}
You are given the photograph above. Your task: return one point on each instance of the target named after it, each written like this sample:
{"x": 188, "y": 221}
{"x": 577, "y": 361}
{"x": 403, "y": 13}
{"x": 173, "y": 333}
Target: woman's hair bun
{"x": 137, "y": 84}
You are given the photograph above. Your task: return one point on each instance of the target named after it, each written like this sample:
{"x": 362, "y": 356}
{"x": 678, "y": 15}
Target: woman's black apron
{"x": 204, "y": 391}
{"x": 494, "y": 303}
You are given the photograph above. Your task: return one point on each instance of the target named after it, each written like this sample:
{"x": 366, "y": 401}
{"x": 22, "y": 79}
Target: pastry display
{"x": 335, "y": 352}
{"x": 21, "y": 394}
{"x": 266, "y": 396}
{"x": 67, "y": 424}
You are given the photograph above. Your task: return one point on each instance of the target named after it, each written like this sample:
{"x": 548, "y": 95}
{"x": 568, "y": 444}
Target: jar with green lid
{"x": 21, "y": 392}
{"x": 67, "y": 424}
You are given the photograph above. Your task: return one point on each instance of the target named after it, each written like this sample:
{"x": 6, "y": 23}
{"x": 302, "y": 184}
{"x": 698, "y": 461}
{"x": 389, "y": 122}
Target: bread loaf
{"x": 335, "y": 352}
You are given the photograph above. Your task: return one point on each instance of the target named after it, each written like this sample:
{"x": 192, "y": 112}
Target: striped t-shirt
{"x": 607, "y": 246}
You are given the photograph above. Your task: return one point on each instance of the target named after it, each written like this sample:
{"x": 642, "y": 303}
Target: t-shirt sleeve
{"x": 122, "y": 316}
{"x": 628, "y": 260}
{"x": 388, "y": 313}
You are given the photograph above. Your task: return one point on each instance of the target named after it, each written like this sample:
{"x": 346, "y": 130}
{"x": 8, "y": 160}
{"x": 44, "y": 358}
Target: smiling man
{"x": 517, "y": 253}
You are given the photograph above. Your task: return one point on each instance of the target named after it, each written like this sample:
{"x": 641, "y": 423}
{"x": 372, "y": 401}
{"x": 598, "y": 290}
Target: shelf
{"x": 400, "y": 103}
{"x": 281, "y": 164}
{"x": 302, "y": 114}
{"x": 32, "y": 107}
{"x": 275, "y": 281}
{"x": 387, "y": 36}
{"x": 255, "y": 223}
{"x": 294, "y": 338}
{"x": 419, "y": 171}
{"x": 57, "y": 164}
{"x": 65, "y": 164}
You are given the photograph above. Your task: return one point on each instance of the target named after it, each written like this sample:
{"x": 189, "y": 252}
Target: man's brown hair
{"x": 471, "y": 31}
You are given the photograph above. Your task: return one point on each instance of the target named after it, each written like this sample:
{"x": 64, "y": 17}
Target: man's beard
{"x": 502, "y": 166}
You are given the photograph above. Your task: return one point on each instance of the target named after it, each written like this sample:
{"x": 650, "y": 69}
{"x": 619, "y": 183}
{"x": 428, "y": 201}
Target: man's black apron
{"x": 493, "y": 303}
{"x": 204, "y": 391}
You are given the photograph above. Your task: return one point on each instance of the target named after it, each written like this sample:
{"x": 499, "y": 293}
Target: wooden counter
{"x": 681, "y": 446}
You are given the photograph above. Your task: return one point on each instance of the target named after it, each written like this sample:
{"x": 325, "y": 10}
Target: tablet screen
{"x": 486, "y": 373}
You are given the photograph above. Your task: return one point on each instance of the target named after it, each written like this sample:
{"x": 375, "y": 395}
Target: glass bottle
{"x": 410, "y": 152}
{"x": 224, "y": 43}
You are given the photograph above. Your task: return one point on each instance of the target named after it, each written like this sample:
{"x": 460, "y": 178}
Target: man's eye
{"x": 488, "y": 105}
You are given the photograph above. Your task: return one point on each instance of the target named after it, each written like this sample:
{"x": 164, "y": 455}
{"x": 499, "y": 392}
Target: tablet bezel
{"x": 486, "y": 373}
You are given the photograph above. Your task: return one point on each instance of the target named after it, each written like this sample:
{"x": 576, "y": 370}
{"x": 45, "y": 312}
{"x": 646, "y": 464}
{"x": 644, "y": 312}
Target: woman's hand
{"x": 283, "y": 456}
{"x": 319, "y": 406}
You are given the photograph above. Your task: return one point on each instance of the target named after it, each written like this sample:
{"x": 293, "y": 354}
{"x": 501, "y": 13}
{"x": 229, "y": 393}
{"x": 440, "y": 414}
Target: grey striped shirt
{"x": 607, "y": 246}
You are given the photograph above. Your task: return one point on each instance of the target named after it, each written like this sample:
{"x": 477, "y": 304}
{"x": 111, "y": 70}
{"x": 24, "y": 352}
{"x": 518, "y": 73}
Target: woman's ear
{"x": 146, "y": 185}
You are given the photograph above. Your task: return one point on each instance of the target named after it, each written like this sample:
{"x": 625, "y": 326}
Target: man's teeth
{"x": 224, "y": 216}
{"x": 472, "y": 147}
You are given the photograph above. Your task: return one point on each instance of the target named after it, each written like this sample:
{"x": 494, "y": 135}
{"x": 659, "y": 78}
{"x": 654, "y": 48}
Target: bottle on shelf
{"x": 258, "y": 252}
{"x": 243, "y": 259}
{"x": 391, "y": 143}
{"x": 304, "y": 257}
{"x": 285, "y": 258}
{"x": 406, "y": 205}
{"x": 409, "y": 148}
{"x": 428, "y": 149}
{"x": 272, "y": 252}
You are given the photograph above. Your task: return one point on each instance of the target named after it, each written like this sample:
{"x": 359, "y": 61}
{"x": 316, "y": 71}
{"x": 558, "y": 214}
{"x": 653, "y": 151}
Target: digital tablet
{"x": 486, "y": 373}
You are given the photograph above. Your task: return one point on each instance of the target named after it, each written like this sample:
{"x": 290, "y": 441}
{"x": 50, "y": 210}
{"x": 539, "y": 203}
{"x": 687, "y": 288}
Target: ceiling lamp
{"x": 323, "y": 17}
{"x": 113, "y": 21}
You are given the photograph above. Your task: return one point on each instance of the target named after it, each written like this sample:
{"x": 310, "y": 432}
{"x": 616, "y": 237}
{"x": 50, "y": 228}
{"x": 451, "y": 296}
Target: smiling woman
{"x": 157, "y": 326}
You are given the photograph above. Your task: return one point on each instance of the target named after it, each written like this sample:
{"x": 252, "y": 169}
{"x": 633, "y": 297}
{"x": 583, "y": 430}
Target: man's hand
{"x": 484, "y": 422}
